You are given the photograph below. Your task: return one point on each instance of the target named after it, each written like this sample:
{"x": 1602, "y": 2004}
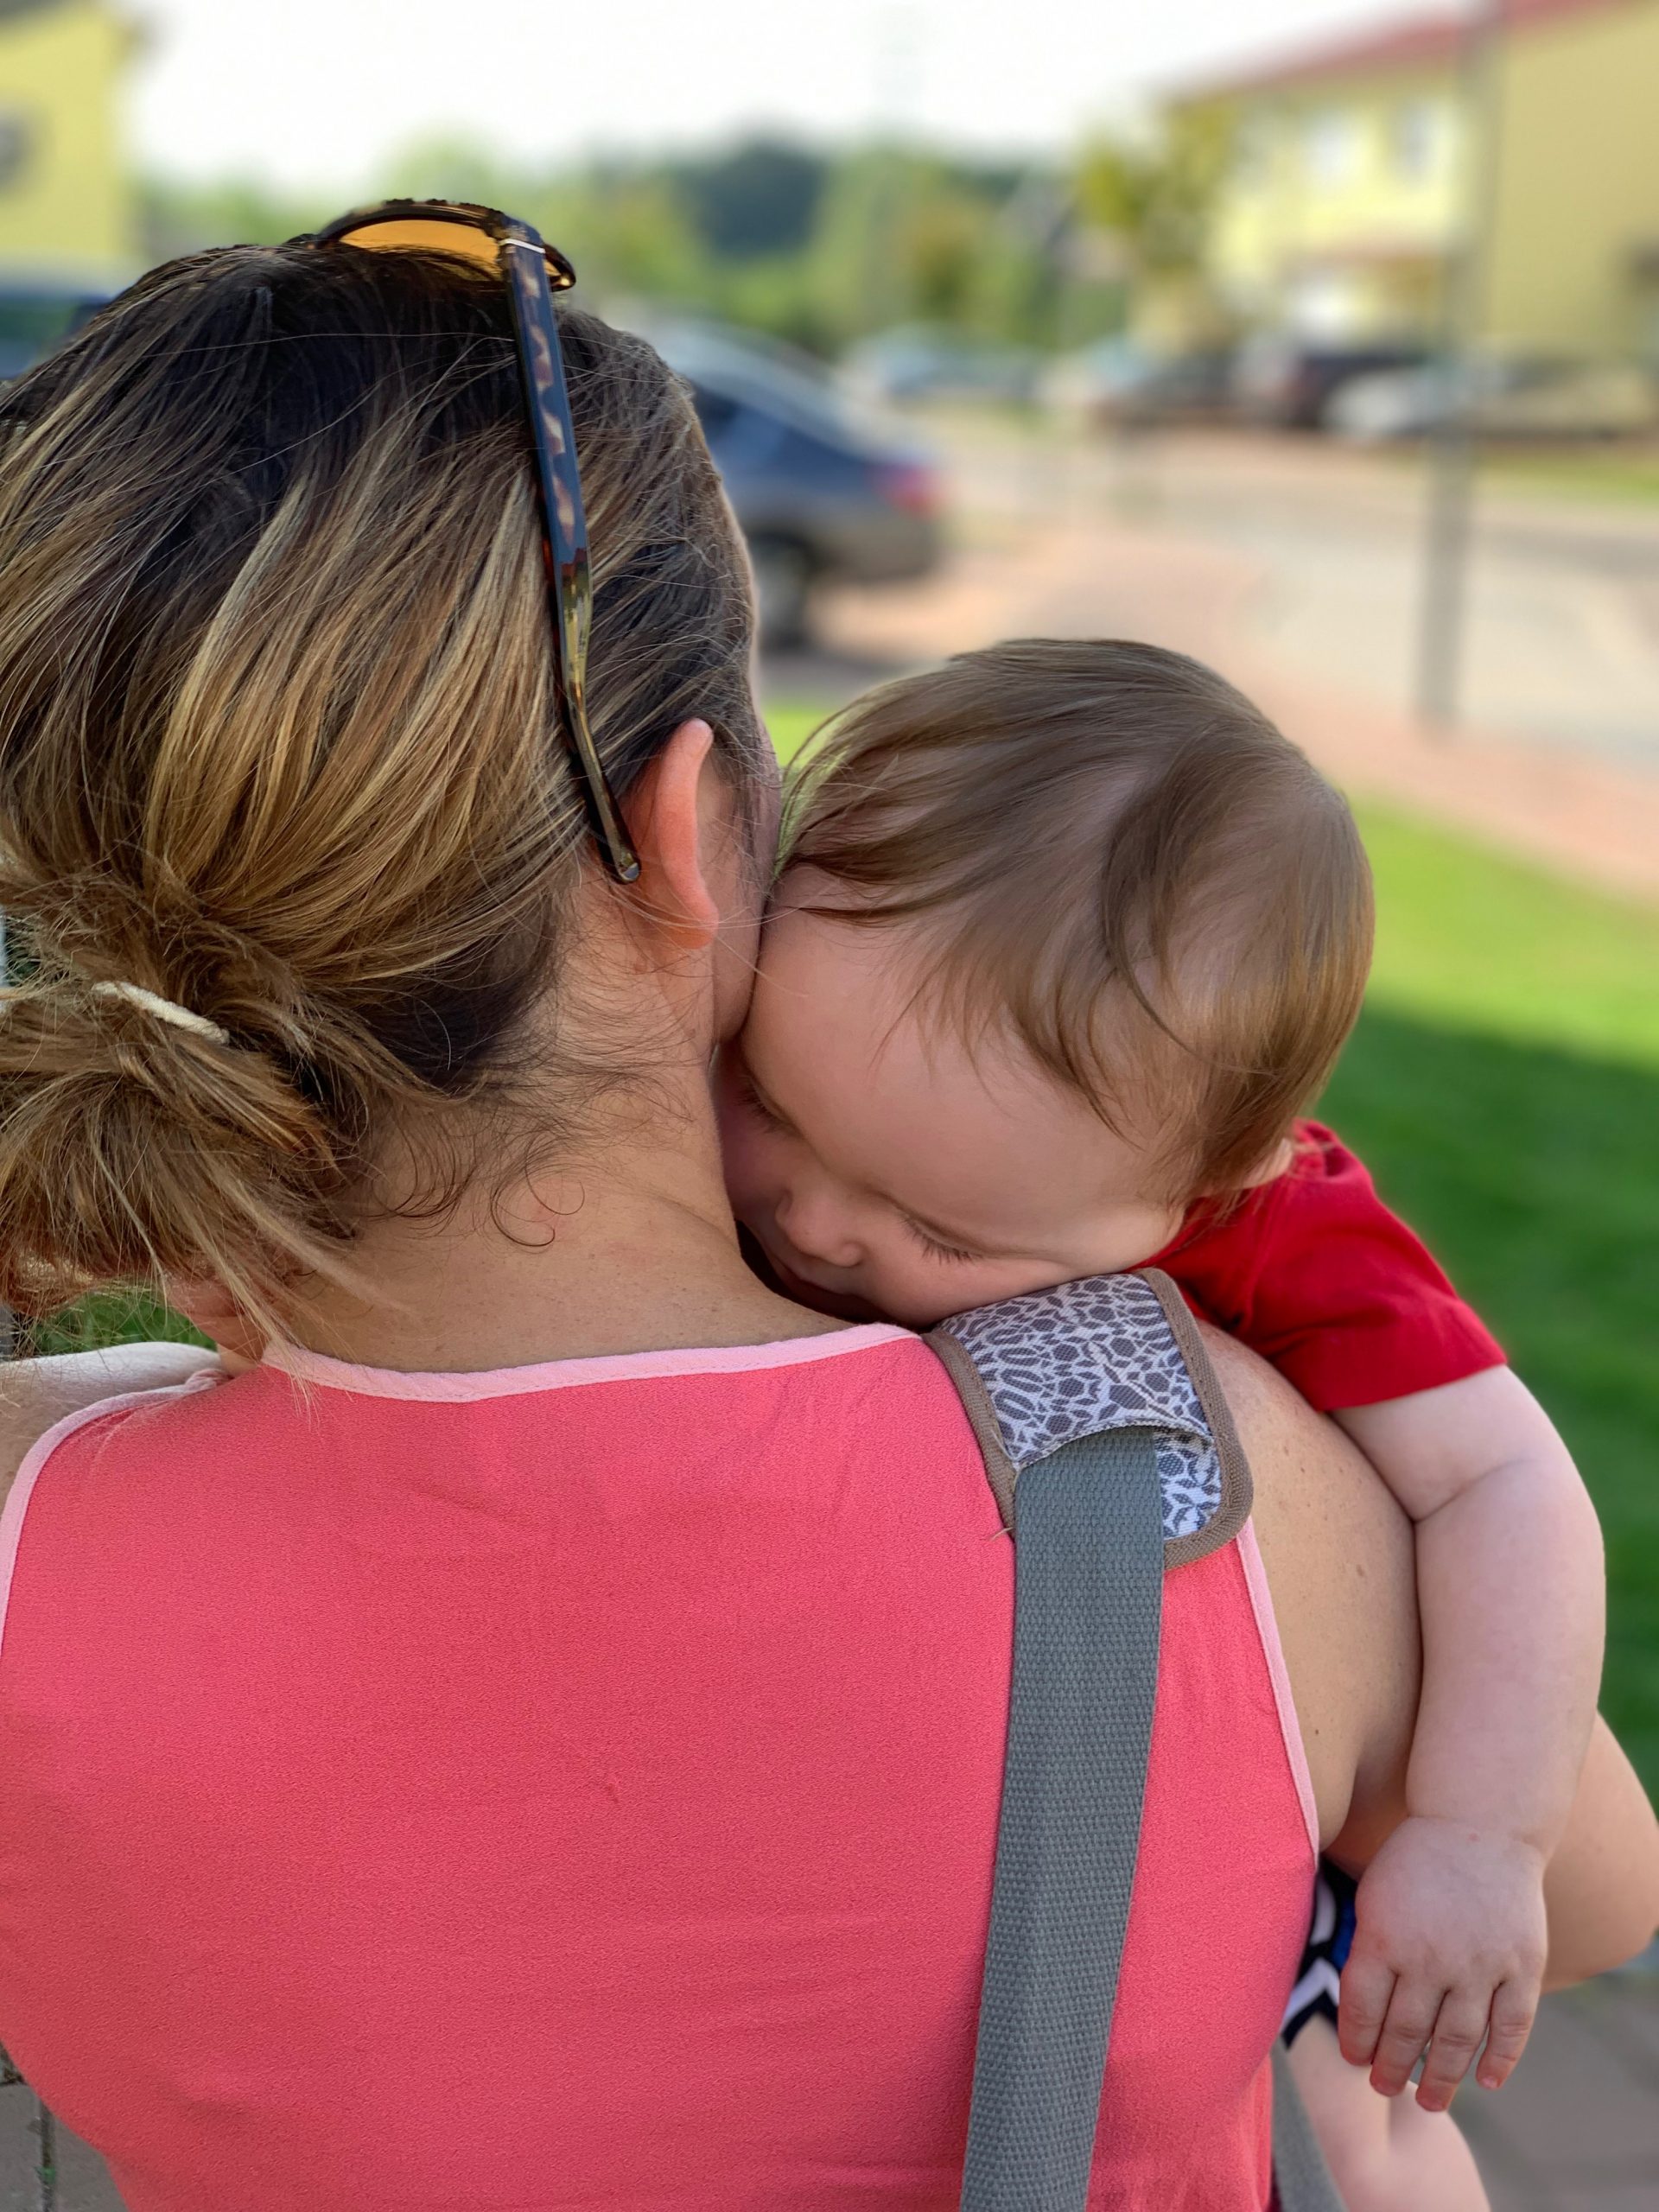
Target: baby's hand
{"x": 1448, "y": 1948}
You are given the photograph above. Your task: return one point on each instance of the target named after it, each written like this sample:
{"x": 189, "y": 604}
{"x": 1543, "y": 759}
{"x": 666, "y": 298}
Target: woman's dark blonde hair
{"x": 278, "y": 743}
{"x": 1118, "y": 862}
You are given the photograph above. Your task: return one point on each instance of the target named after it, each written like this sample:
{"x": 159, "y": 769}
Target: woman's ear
{"x": 209, "y": 1306}
{"x": 678, "y": 818}
{"x": 703, "y": 879}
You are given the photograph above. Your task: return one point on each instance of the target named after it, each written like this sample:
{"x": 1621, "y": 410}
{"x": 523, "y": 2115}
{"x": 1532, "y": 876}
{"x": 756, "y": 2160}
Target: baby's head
{"x": 1067, "y": 934}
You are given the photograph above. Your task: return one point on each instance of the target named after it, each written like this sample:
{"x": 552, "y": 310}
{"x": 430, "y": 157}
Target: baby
{"x": 1067, "y": 937}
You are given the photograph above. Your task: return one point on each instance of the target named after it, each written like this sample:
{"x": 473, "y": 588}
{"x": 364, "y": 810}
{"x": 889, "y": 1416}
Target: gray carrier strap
{"x": 1093, "y": 1537}
{"x": 1088, "y": 1585}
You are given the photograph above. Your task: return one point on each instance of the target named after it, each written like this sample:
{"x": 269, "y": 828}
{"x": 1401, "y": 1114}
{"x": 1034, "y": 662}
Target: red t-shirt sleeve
{"x": 1313, "y": 1271}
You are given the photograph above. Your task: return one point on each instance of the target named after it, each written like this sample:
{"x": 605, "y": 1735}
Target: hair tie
{"x": 164, "y": 1010}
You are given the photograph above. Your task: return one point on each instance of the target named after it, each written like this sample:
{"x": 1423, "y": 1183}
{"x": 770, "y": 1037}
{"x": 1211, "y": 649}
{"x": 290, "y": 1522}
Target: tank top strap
{"x": 1040, "y": 1371}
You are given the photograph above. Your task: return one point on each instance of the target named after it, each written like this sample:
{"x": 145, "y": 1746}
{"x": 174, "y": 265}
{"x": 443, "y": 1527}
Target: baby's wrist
{"x": 1465, "y": 1827}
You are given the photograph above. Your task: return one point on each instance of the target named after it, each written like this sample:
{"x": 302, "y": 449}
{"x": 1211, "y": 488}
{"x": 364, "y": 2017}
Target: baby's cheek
{"x": 756, "y": 1171}
{"x": 915, "y": 1293}
{"x": 743, "y": 1171}
{"x": 737, "y": 1146}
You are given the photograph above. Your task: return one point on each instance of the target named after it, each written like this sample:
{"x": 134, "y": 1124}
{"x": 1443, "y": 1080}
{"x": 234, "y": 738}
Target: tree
{"x": 1156, "y": 194}
{"x": 176, "y": 218}
{"x": 753, "y": 200}
{"x": 624, "y": 226}
{"x": 815, "y": 249}
{"x": 900, "y": 235}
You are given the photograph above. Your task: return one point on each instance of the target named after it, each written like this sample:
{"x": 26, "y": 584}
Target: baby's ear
{"x": 209, "y": 1306}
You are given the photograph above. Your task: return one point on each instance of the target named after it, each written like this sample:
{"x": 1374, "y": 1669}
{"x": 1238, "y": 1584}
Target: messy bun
{"x": 135, "y": 1148}
{"x": 278, "y": 746}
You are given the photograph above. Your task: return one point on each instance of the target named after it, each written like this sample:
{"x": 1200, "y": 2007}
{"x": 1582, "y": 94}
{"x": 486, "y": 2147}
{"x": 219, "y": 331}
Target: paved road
{"x": 1563, "y": 606}
{"x": 1292, "y": 570}
{"x": 1563, "y": 636}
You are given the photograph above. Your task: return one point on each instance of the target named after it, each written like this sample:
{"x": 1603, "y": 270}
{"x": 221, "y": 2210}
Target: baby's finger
{"x": 1361, "y": 2007}
{"x": 1411, "y": 2012}
{"x": 1458, "y": 2032}
{"x": 1514, "y": 2006}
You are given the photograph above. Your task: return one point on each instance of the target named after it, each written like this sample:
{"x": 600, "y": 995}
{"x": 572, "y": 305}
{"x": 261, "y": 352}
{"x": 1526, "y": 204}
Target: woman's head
{"x": 279, "y": 743}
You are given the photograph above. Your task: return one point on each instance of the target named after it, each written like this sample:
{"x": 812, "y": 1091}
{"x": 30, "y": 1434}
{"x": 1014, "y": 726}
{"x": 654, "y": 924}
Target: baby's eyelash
{"x": 757, "y": 1106}
{"x": 932, "y": 1245}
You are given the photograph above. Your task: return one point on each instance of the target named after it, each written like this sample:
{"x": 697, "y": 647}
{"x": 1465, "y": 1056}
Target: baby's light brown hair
{"x": 1120, "y": 863}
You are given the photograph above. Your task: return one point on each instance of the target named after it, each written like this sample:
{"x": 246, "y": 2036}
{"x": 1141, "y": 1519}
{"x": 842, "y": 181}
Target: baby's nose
{"x": 818, "y": 1228}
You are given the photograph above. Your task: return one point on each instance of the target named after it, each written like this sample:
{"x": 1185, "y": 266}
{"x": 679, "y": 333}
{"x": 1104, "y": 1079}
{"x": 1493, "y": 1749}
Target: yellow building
{"x": 1350, "y": 180}
{"x": 66, "y": 211}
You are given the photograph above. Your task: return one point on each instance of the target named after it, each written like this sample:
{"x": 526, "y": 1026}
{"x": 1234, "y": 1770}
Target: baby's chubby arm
{"x": 1450, "y": 1940}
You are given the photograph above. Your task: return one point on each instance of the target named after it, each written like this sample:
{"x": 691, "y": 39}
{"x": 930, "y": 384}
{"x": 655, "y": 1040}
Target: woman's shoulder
{"x": 1338, "y": 1557}
{"x": 1235, "y": 1444}
{"x": 1045, "y": 1369}
{"x": 36, "y": 1395}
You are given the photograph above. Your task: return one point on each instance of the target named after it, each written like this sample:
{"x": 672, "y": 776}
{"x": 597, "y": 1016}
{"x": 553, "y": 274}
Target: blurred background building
{"x": 1347, "y": 196}
{"x": 69, "y": 217}
{"x": 68, "y": 200}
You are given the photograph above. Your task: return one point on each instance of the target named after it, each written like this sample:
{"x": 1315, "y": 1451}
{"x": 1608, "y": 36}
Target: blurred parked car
{"x": 920, "y": 362}
{"x": 1117, "y": 383}
{"x": 821, "y": 491}
{"x": 1501, "y": 396}
{"x": 34, "y": 316}
{"x": 1290, "y": 383}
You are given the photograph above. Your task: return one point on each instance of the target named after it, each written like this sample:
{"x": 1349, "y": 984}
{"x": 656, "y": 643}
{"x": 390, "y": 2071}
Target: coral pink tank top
{"x": 577, "y": 1786}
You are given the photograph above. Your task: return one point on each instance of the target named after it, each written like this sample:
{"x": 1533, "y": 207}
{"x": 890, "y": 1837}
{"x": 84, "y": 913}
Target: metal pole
{"x": 1453, "y": 444}
{"x": 47, "y": 2172}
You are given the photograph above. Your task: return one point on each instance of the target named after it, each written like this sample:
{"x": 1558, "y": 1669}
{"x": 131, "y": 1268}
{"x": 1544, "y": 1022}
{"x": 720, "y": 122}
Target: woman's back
{"x": 578, "y": 1785}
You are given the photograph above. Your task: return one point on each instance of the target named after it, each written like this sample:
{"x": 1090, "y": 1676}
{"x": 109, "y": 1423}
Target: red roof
{"x": 1408, "y": 42}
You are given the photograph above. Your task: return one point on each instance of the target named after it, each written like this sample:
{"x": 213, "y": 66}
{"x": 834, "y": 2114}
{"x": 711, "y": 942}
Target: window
{"x": 17, "y": 143}
{"x": 1255, "y": 148}
{"x": 1331, "y": 146}
{"x": 1417, "y": 138}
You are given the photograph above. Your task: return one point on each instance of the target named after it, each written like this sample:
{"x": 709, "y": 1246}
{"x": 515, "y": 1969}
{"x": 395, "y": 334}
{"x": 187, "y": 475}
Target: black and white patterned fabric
{"x": 1319, "y": 1978}
{"x": 1065, "y": 1363}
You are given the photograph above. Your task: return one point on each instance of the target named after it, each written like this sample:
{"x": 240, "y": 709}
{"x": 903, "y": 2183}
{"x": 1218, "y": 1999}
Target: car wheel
{"x": 782, "y": 586}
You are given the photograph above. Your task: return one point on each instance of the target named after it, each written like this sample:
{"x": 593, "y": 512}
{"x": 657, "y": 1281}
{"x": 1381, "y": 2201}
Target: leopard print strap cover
{"x": 1116, "y": 1352}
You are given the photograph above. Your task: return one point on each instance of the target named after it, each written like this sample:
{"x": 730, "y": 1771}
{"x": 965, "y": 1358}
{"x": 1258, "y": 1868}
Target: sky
{"x": 315, "y": 92}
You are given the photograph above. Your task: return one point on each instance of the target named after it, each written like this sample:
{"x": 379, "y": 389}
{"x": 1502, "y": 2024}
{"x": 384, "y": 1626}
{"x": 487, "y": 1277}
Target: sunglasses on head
{"x": 532, "y": 272}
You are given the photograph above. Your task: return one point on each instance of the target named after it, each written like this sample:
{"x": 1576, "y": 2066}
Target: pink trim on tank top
{"x": 434, "y": 1388}
{"x": 22, "y": 1483}
{"x": 1267, "y": 1627}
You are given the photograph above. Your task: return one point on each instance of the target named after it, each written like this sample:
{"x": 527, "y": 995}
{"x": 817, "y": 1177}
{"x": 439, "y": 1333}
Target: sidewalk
{"x": 1577, "y": 2129}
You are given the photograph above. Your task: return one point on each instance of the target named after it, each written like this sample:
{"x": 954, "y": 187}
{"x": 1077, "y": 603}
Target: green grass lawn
{"x": 1621, "y": 475}
{"x": 1503, "y": 1086}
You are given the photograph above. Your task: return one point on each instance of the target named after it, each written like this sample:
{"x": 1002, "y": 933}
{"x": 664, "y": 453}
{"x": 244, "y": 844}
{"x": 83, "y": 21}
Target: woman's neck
{"x": 639, "y": 1255}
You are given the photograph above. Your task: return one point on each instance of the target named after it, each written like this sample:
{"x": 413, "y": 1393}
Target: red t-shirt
{"x": 1313, "y": 1271}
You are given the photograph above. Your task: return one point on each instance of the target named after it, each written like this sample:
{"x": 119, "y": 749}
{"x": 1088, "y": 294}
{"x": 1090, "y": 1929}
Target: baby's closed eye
{"x": 935, "y": 1245}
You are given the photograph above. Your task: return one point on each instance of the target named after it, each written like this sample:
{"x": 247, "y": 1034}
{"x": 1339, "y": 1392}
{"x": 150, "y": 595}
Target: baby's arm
{"x": 1451, "y": 1939}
